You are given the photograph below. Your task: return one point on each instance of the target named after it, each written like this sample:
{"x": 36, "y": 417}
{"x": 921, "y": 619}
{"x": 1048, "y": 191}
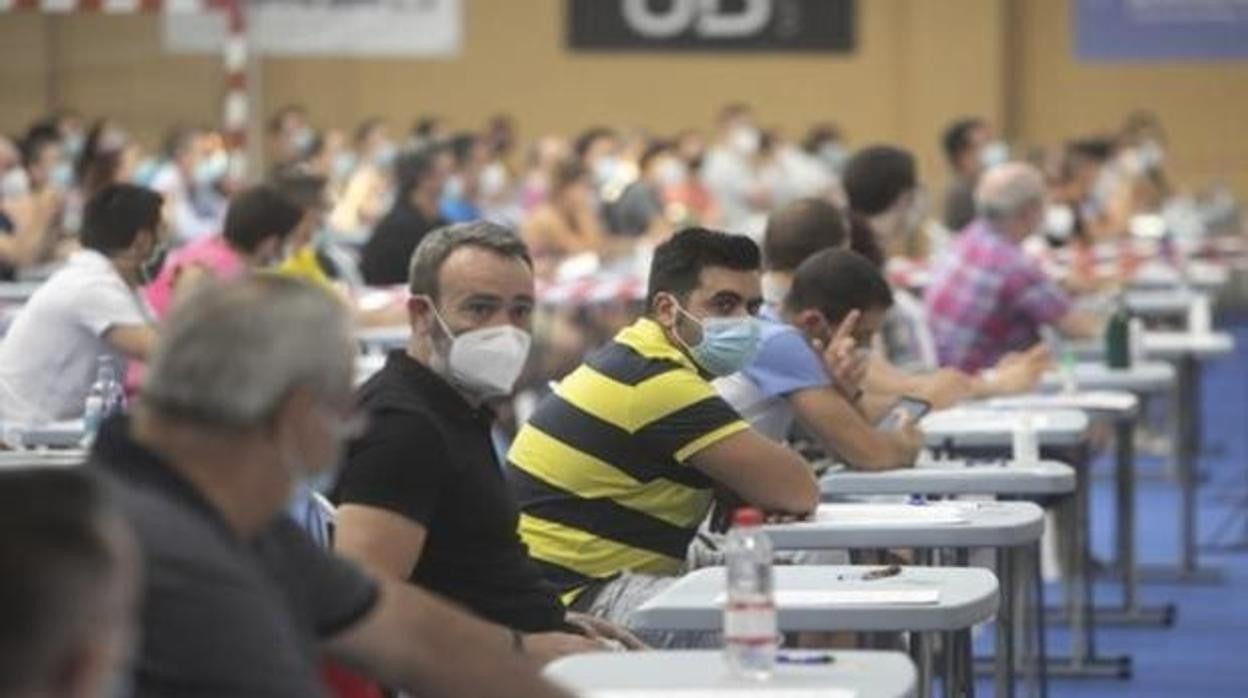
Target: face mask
{"x": 62, "y": 176}
{"x": 301, "y": 140}
{"x": 342, "y": 165}
{"x": 728, "y": 343}
{"x": 993, "y": 154}
{"x": 15, "y": 184}
{"x": 916, "y": 214}
{"x": 212, "y": 169}
{"x": 745, "y": 140}
{"x": 833, "y": 155}
{"x": 1149, "y": 155}
{"x": 605, "y": 169}
{"x": 671, "y": 173}
{"x": 486, "y": 362}
{"x": 72, "y": 146}
{"x": 385, "y": 155}
{"x": 1059, "y": 222}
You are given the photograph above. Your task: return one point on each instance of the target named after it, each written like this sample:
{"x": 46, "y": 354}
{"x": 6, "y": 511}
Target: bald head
{"x": 1010, "y": 196}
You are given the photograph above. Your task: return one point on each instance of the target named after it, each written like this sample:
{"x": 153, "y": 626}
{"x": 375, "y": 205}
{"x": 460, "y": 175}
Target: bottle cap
{"x": 747, "y": 516}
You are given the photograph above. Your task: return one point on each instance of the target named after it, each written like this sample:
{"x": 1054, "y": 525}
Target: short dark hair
{"x": 178, "y": 139}
{"x": 679, "y": 261}
{"x": 410, "y": 169}
{"x": 257, "y": 214}
{"x": 461, "y": 146}
{"x": 39, "y": 137}
{"x": 876, "y": 176}
{"x": 818, "y": 135}
{"x": 56, "y": 557}
{"x": 588, "y": 137}
{"x": 957, "y": 137}
{"x": 654, "y": 149}
{"x": 565, "y": 174}
{"x": 731, "y": 111}
{"x": 300, "y": 186}
{"x": 115, "y": 215}
{"x": 800, "y": 229}
{"x": 836, "y": 282}
{"x": 438, "y": 244}
{"x": 863, "y": 241}
{"x": 366, "y": 127}
{"x": 278, "y": 119}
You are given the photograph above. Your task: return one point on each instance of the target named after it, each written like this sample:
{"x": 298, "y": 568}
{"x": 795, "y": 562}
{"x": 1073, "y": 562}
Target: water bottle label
{"x": 750, "y": 622}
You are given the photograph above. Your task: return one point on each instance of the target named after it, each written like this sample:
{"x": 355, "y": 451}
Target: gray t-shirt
{"x": 632, "y": 214}
{"x": 223, "y": 616}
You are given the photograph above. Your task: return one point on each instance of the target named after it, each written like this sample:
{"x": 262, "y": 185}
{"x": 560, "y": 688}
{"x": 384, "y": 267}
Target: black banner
{"x": 711, "y": 25}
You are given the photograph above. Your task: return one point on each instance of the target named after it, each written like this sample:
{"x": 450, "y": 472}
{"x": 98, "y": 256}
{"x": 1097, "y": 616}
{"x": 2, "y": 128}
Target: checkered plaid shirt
{"x": 987, "y": 298}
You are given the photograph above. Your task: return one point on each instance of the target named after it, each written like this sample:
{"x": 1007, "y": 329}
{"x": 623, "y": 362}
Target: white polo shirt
{"x": 48, "y": 359}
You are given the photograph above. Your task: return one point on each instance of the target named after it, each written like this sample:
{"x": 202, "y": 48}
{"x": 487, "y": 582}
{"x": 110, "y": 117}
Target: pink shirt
{"x": 211, "y": 253}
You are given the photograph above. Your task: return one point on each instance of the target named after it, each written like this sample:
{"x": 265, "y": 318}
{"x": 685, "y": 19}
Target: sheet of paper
{"x": 808, "y": 598}
{"x": 760, "y": 691}
{"x": 882, "y": 515}
{"x": 978, "y": 421}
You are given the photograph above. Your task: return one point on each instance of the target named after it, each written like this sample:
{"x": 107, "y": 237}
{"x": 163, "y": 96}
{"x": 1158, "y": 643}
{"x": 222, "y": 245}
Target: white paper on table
{"x": 979, "y": 420}
{"x": 1082, "y": 400}
{"x": 884, "y": 514}
{"x": 807, "y": 598}
{"x": 761, "y": 691}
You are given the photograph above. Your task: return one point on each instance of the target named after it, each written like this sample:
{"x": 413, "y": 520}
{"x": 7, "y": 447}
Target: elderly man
{"x": 987, "y": 298}
{"x": 249, "y": 392}
{"x": 446, "y": 520}
{"x": 69, "y": 590}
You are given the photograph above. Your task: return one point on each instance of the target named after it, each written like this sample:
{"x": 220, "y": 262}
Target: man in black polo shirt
{"x": 423, "y": 497}
{"x": 248, "y": 393}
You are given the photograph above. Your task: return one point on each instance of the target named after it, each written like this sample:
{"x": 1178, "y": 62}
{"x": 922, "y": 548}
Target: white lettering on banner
{"x": 707, "y": 17}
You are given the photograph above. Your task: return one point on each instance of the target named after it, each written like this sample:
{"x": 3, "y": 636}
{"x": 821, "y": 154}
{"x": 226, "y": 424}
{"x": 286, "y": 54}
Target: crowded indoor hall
{"x": 623, "y": 348}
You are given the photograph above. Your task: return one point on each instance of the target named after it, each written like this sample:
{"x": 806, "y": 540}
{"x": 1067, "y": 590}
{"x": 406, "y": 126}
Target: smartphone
{"x": 912, "y": 406}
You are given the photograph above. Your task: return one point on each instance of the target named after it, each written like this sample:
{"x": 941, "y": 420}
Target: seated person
{"x": 249, "y": 393}
{"x": 835, "y": 293}
{"x": 987, "y": 298}
{"x": 885, "y": 211}
{"x": 90, "y": 308}
{"x": 69, "y": 592}
{"x": 568, "y": 222}
{"x": 446, "y": 520}
{"x": 640, "y": 210}
{"x": 615, "y": 470}
{"x": 419, "y": 181}
{"x": 257, "y": 226}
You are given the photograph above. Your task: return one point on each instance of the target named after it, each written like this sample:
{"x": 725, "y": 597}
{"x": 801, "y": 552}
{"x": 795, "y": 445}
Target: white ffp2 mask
{"x": 487, "y": 361}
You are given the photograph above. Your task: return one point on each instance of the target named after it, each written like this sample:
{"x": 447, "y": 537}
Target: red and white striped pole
{"x": 235, "y": 102}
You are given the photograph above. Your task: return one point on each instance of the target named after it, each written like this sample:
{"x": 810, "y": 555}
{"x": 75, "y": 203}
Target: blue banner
{"x": 1161, "y": 30}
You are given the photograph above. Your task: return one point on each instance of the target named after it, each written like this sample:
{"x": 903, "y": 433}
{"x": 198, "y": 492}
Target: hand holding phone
{"x": 912, "y": 407}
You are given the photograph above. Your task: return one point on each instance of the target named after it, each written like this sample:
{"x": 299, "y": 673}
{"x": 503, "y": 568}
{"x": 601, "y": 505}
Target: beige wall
{"x": 1203, "y": 105}
{"x": 919, "y": 63}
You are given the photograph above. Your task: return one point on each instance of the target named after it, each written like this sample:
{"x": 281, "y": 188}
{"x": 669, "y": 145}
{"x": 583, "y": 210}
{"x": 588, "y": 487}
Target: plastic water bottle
{"x": 1135, "y": 341}
{"x": 1118, "y": 336}
{"x": 104, "y": 399}
{"x": 1026, "y": 449}
{"x": 750, "y": 634}
{"x": 1200, "y": 315}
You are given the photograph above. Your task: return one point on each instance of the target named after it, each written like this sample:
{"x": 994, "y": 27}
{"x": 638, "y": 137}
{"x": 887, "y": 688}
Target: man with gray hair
{"x": 422, "y": 498}
{"x": 986, "y": 297}
{"x": 249, "y": 392}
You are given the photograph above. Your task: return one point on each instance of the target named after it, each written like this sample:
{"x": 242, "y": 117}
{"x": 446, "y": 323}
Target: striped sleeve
{"x": 686, "y": 415}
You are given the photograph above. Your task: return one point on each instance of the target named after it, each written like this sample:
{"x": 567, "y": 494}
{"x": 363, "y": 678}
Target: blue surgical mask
{"x": 993, "y": 154}
{"x": 212, "y": 169}
{"x": 728, "y": 343}
{"x": 385, "y": 156}
{"x": 62, "y": 176}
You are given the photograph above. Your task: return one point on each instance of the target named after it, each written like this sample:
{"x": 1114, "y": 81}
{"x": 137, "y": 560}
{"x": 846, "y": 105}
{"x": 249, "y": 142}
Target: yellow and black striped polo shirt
{"x": 601, "y": 469}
